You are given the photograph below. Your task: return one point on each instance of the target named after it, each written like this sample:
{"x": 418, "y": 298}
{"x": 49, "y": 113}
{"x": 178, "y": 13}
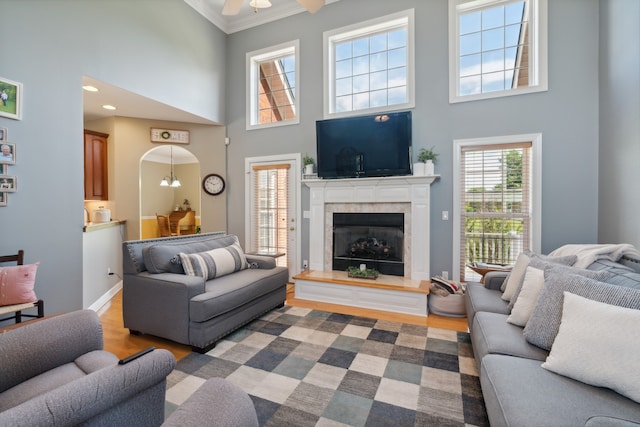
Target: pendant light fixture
{"x": 259, "y": 4}
{"x": 172, "y": 181}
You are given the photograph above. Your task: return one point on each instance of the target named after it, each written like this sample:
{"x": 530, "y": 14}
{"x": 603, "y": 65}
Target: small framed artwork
{"x": 170, "y": 135}
{"x": 3, "y": 134}
{"x": 7, "y": 153}
{"x": 3, "y": 169}
{"x": 3, "y": 199}
{"x": 10, "y": 99}
{"x": 8, "y": 184}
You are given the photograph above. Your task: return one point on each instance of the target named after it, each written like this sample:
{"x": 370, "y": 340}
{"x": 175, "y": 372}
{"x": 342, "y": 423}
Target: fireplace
{"x": 373, "y": 239}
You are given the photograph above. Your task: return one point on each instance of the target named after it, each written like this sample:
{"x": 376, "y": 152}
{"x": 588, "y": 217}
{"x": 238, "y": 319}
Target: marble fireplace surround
{"x": 406, "y": 194}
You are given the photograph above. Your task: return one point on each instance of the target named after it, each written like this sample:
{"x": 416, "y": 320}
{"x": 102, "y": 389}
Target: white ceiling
{"x": 247, "y": 18}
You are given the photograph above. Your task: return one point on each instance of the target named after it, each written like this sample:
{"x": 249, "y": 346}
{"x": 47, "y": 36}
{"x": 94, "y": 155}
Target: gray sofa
{"x": 517, "y": 390}
{"x": 55, "y": 372}
{"x": 160, "y": 299}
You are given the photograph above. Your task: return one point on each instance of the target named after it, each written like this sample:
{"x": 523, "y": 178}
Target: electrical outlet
{"x": 305, "y": 265}
{"x": 445, "y": 215}
{"x": 445, "y": 274}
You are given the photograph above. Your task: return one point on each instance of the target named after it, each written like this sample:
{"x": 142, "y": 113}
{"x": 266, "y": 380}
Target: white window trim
{"x": 252, "y": 80}
{"x": 536, "y": 188}
{"x": 537, "y": 56}
{"x": 361, "y": 29}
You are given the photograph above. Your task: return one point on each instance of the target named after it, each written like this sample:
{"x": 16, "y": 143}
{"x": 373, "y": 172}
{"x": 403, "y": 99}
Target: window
{"x": 271, "y": 201}
{"x": 497, "y": 215}
{"x": 272, "y": 88}
{"x": 369, "y": 67}
{"x": 496, "y": 48}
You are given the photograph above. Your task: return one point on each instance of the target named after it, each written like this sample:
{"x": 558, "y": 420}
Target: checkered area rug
{"x": 305, "y": 367}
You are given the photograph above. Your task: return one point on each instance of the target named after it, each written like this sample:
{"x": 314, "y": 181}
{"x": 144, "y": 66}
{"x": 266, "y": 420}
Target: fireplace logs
{"x": 370, "y": 247}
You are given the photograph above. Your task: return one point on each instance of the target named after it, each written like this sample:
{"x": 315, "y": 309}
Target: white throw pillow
{"x": 515, "y": 278}
{"x": 531, "y": 287}
{"x": 597, "y": 344}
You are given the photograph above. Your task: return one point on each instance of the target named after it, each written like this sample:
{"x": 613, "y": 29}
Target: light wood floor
{"x": 118, "y": 340}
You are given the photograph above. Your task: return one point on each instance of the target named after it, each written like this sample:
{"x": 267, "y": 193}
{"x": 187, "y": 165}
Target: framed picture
{"x": 8, "y": 184}
{"x": 3, "y": 199}
{"x": 10, "y": 99}
{"x": 7, "y": 153}
{"x": 3, "y": 134}
{"x": 3, "y": 169}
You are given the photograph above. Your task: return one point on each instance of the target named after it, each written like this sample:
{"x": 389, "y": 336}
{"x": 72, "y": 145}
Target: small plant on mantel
{"x": 427, "y": 154}
{"x": 357, "y": 273}
{"x": 308, "y": 160}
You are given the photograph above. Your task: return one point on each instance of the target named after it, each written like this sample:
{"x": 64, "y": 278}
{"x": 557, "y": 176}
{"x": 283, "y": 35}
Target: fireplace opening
{"x": 373, "y": 239}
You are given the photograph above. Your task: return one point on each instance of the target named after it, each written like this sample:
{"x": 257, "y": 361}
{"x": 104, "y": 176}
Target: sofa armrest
{"x": 47, "y": 343}
{"x": 158, "y": 304}
{"x": 86, "y": 397}
{"x": 264, "y": 262}
{"x": 494, "y": 279}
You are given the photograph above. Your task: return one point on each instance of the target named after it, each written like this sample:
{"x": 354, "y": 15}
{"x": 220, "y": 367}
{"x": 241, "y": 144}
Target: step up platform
{"x": 387, "y": 293}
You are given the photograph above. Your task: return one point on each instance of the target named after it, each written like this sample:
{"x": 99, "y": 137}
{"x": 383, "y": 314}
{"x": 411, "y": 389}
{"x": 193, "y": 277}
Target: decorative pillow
{"x": 522, "y": 262}
{"x": 214, "y": 263}
{"x": 528, "y": 295}
{"x": 596, "y": 345}
{"x": 544, "y": 322}
{"x": 541, "y": 264}
{"x": 16, "y": 284}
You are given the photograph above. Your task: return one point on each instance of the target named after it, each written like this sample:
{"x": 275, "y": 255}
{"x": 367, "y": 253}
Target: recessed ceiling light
{"x": 89, "y": 88}
{"x": 108, "y": 107}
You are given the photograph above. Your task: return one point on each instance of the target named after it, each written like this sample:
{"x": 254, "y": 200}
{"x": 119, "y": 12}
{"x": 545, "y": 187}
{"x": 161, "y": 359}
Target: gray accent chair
{"x": 55, "y": 372}
{"x": 159, "y": 299}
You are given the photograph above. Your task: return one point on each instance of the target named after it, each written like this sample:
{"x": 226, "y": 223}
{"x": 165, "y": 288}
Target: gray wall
{"x": 566, "y": 115}
{"x": 619, "y": 122}
{"x": 161, "y": 49}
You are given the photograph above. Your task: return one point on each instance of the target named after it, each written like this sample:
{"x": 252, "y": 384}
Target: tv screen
{"x": 364, "y": 146}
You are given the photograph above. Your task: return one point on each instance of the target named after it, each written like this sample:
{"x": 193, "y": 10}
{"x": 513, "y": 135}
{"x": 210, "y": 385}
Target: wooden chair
{"x": 163, "y": 226}
{"x": 187, "y": 224}
{"x": 16, "y": 309}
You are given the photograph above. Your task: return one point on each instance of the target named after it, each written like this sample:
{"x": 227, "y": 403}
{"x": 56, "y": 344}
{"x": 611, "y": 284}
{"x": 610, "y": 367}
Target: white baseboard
{"x": 106, "y": 297}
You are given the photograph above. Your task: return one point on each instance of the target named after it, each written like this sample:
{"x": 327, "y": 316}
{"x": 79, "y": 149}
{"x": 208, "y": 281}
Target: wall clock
{"x": 213, "y": 184}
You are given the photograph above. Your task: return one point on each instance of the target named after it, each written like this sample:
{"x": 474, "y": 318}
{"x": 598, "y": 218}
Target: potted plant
{"x": 427, "y": 156}
{"x": 308, "y": 163}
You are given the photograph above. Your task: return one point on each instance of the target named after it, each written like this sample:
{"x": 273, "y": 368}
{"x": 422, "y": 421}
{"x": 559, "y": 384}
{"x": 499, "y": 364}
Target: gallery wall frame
{"x": 4, "y": 134}
{"x": 7, "y": 153}
{"x": 8, "y": 184}
{"x": 10, "y": 99}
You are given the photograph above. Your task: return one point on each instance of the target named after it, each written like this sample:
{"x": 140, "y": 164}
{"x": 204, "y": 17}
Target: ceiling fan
{"x": 232, "y": 7}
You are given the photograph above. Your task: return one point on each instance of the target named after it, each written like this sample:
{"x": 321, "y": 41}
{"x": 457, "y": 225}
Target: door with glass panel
{"x": 272, "y": 213}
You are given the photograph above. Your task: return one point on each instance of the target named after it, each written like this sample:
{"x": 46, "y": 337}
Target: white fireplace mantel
{"x": 401, "y": 189}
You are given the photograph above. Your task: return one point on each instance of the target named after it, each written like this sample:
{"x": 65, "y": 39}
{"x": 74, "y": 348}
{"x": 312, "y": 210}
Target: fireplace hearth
{"x": 373, "y": 239}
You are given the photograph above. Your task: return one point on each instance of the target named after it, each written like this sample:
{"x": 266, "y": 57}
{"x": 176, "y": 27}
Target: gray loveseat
{"x": 55, "y": 372}
{"x": 517, "y": 390}
{"x": 160, "y": 299}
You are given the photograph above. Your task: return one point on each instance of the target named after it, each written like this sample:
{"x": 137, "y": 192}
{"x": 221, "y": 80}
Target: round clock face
{"x": 213, "y": 184}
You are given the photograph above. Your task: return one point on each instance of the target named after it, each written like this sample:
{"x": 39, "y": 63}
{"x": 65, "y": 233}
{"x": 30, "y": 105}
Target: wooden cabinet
{"x": 95, "y": 165}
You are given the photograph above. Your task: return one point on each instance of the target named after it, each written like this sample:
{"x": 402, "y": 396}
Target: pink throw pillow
{"x": 16, "y": 284}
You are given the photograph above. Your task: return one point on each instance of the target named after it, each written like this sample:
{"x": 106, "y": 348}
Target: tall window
{"x": 369, "y": 67}
{"x": 272, "y": 88}
{"x": 496, "y": 48}
{"x": 272, "y": 210}
{"x": 498, "y": 208}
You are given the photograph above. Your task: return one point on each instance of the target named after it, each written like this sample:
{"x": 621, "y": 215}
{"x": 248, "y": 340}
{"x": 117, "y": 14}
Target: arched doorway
{"x": 162, "y": 162}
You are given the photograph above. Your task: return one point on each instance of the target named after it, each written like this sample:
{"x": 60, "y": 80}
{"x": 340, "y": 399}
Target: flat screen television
{"x": 364, "y": 146}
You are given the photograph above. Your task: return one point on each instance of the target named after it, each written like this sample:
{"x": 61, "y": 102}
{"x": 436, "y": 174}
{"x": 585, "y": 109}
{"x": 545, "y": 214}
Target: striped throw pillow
{"x": 214, "y": 263}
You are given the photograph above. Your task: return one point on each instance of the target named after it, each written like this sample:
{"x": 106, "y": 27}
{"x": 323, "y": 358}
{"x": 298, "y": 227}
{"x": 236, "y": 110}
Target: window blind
{"x": 495, "y": 204}
{"x": 270, "y": 192}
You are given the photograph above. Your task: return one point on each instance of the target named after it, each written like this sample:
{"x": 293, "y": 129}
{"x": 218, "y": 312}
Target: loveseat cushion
{"x": 519, "y": 392}
{"x": 163, "y": 257}
{"x": 227, "y": 293}
{"x": 491, "y": 334}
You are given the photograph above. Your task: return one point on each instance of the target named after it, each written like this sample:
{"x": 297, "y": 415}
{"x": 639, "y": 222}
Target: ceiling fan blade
{"x": 312, "y": 5}
{"x": 232, "y": 7}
